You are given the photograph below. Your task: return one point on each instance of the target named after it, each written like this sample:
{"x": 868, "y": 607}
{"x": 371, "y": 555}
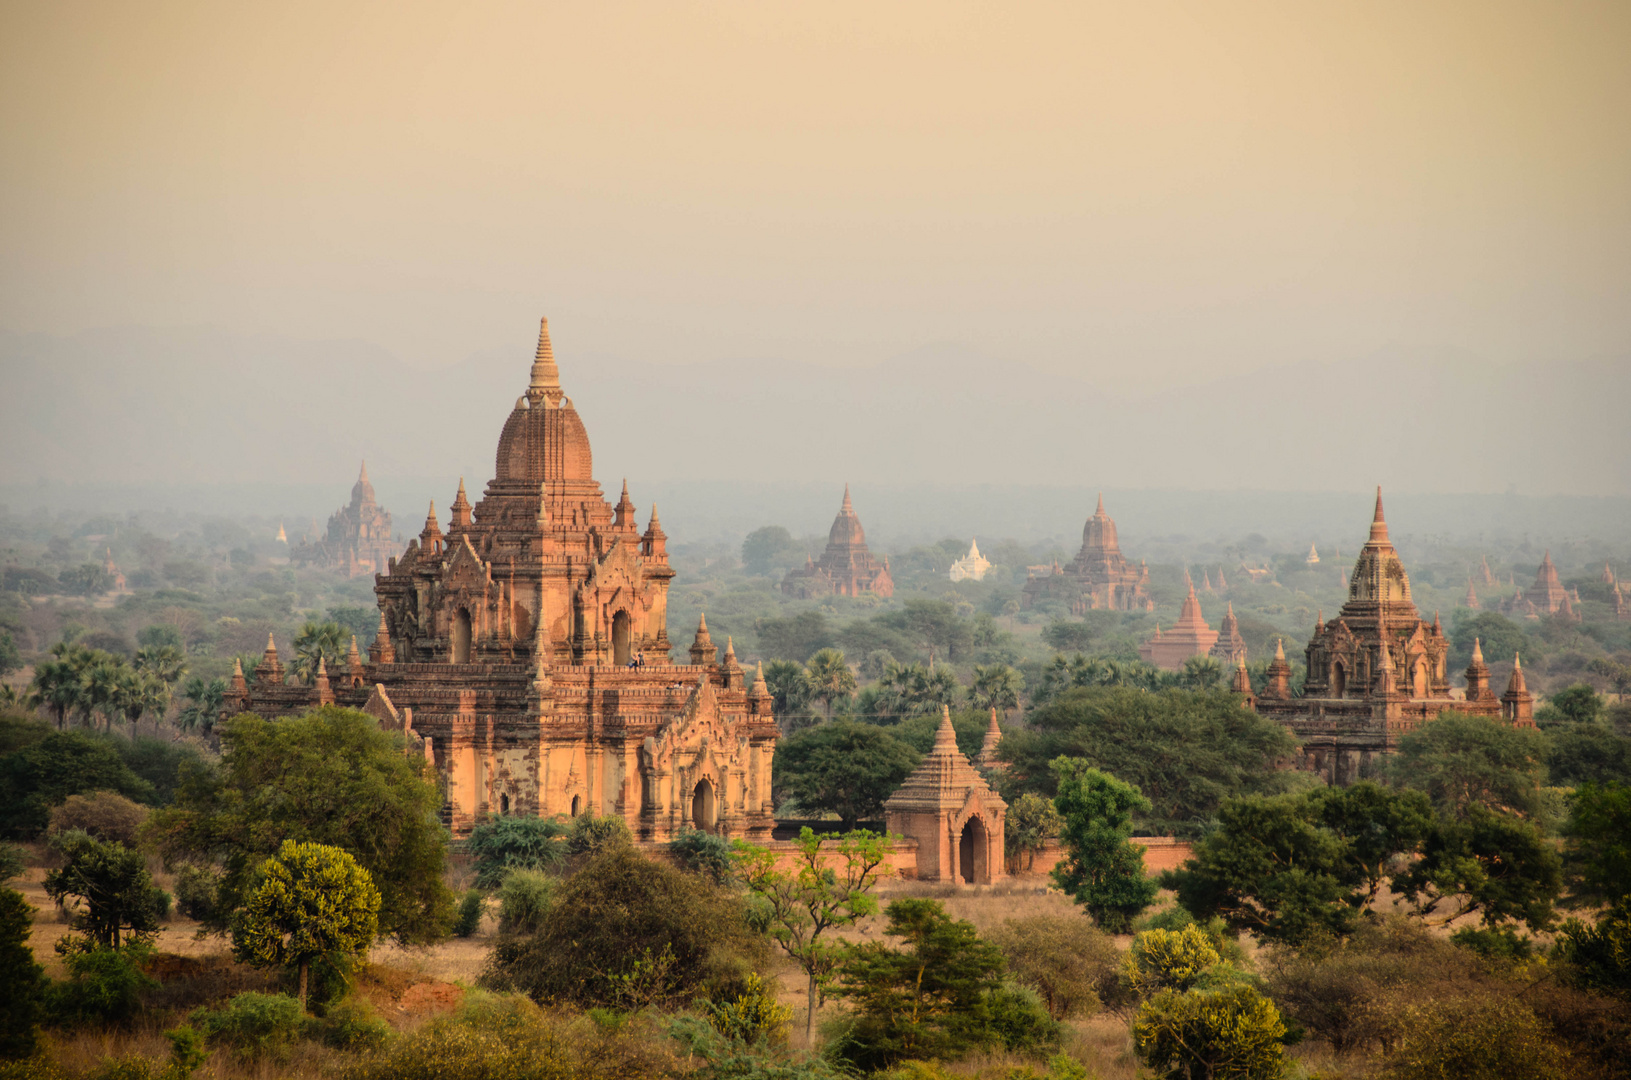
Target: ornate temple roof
{"x": 944, "y": 780}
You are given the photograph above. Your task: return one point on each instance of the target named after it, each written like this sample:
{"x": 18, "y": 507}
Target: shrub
{"x": 196, "y": 890}
{"x": 252, "y": 1025}
{"x": 63, "y": 763}
{"x": 1503, "y": 943}
{"x": 627, "y": 932}
{"x": 702, "y": 853}
{"x": 1068, "y": 960}
{"x": 12, "y": 863}
{"x": 1230, "y": 1032}
{"x": 22, "y": 981}
{"x": 104, "y": 986}
{"x": 471, "y": 907}
{"x": 1168, "y": 960}
{"x": 591, "y": 834}
{"x": 732, "y": 1059}
{"x": 751, "y": 1016}
{"x": 1021, "y": 1021}
{"x": 1477, "y": 1039}
{"x": 524, "y": 900}
{"x": 113, "y": 881}
{"x": 352, "y": 1025}
{"x": 516, "y": 843}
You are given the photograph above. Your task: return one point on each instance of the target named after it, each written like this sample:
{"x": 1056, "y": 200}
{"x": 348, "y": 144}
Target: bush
{"x": 1168, "y": 960}
{"x": 1503, "y": 943}
{"x": 732, "y": 1059}
{"x": 106, "y": 815}
{"x": 22, "y": 981}
{"x": 63, "y": 763}
{"x": 591, "y": 834}
{"x": 1021, "y": 1020}
{"x": 702, "y": 853}
{"x": 252, "y": 1025}
{"x": 1068, "y": 960}
{"x": 105, "y": 986}
{"x": 627, "y": 932}
{"x": 471, "y": 906}
{"x": 1230, "y": 1032}
{"x": 12, "y": 863}
{"x": 752, "y": 1016}
{"x": 524, "y": 900}
{"x": 516, "y": 843}
{"x": 351, "y": 1025}
{"x": 196, "y": 890}
{"x": 1477, "y": 1039}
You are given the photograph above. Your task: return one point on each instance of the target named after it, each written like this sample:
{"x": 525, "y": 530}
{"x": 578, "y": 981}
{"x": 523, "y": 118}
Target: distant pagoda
{"x": 1099, "y": 577}
{"x": 846, "y": 568}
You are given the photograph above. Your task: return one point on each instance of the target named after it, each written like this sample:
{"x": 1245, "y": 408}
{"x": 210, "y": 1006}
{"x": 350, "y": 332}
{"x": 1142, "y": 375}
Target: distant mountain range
{"x": 187, "y": 407}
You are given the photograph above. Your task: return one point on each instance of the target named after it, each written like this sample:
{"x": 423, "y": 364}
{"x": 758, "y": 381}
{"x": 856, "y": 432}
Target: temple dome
{"x": 544, "y": 438}
{"x": 846, "y": 528}
{"x": 1099, "y": 534}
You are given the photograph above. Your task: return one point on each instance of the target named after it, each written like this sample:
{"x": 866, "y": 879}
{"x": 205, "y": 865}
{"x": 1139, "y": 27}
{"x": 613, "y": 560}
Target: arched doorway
{"x": 971, "y": 852}
{"x": 702, "y": 807}
{"x": 577, "y": 805}
{"x": 461, "y": 637}
{"x": 620, "y": 639}
{"x": 1339, "y": 680}
{"x": 503, "y": 804}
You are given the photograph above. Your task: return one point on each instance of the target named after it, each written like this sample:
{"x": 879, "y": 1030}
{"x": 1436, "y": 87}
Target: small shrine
{"x": 952, "y": 813}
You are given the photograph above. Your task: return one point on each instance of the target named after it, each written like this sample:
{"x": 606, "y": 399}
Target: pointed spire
{"x": 1438, "y": 627}
{"x": 1378, "y": 525}
{"x": 546, "y": 377}
{"x": 1099, "y": 511}
{"x": 848, "y": 508}
{"x": 1280, "y": 648}
{"x": 759, "y": 685}
{"x": 730, "y": 651}
{"x": 1477, "y": 651}
{"x": 460, "y": 518}
{"x": 353, "y": 658}
{"x": 362, "y": 477}
{"x": 992, "y": 740}
{"x": 945, "y": 736}
{"x": 238, "y": 687}
{"x": 623, "y": 512}
{"x": 382, "y": 651}
{"x": 703, "y": 650}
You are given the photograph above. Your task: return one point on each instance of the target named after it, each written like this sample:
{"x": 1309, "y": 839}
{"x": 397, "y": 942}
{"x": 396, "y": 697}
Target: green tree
{"x": 1588, "y": 753}
{"x": 1185, "y": 752}
{"x": 326, "y": 641}
{"x": 1463, "y": 761}
{"x": 830, "y": 888}
{"x": 770, "y": 548}
{"x": 1231, "y": 1033}
{"x": 328, "y": 777}
{"x": 42, "y": 775}
{"x": 844, "y": 767}
{"x": 1601, "y": 952}
{"x": 927, "y": 999}
{"x": 1578, "y": 704}
{"x": 113, "y": 883}
{"x": 1162, "y": 959}
{"x": 167, "y": 662}
{"x": 1101, "y": 870}
{"x": 1068, "y": 637}
{"x": 22, "y": 981}
{"x": 1617, "y": 674}
{"x": 1201, "y": 673}
{"x": 55, "y": 688}
{"x": 313, "y": 901}
{"x": 139, "y": 694}
{"x": 996, "y": 686}
{"x": 1597, "y": 855}
{"x": 629, "y": 932}
{"x": 789, "y": 688}
{"x": 202, "y": 702}
{"x": 1064, "y": 957}
{"x": 1496, "y": 865}
{"x": 1031, "y": 822}
{"x": 516, "y": 843}
{"x": 1493, "y": 1038}
{"x": 1500, "y": 636}
{"x": 794, "y": 638}
{"x": 935, "y": 626}
{"x": 830, "y": 678}
{"x": 1291, "y": 868}
{"x": 10, "y": 659}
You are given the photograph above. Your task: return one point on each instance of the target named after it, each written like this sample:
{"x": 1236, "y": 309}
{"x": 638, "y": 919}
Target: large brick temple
{"x": 527, "y": 646}
{"x": 1099, "y": 577}
{"x": 846, "y": 568}
{"x": 1378, "y": 671}
{"x": 358, "y": 540}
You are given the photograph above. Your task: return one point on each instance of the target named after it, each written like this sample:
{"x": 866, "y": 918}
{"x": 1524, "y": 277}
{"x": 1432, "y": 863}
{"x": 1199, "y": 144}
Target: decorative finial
{"x": 1100, "y": 511}
{"x": 1477, "y": 651}
{"x": 546, "y": 377}
{"x": 1378, "y": 525}
{"x": 1279, "y": 648}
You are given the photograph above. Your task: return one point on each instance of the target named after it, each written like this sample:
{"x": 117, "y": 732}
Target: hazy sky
{"x": 1149, "y": 191}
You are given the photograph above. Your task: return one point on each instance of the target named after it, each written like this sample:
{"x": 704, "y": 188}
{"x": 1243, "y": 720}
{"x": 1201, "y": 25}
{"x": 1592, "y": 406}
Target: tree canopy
{"x": 328, "y": 777}
{"x": 844, "y": 767}
{"x": 1186, "y": 752}
{"x": 1101, "y": 870}
{"x": 1461, "y": 761}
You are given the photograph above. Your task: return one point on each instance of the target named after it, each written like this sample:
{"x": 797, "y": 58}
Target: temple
{"x": 1190, "y": 636}
{"x": 1230, "y": 646}
{"x": 971, "y": 567}
{"x": 1546, "y": 596}
{"x": 1099, "y": 577}
{"x": 525, "y": 648}
{"x": 846, "y": 568}
{"x": 358, "y": 540}
{"x": 947, "y": 806}
{"x": 1375, "y": 672}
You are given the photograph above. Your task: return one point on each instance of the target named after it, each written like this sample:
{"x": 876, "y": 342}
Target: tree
{"x": 628, "y": 932}
{"x": 313, "y": 901}
{"x": 516, "y": 843}
{"x": 927, "y": 999}
{"x": 1068, "y": 637}
{"x": 22, "y": 981}
{"x": 316, "y": 641}
{"x": 844, "y": 767}
{"x": 167, "y": 662}
{"x": 789, "y": 687}
{"x": 1031, "y": 822}
{"x": 1291, "y": 868}
{"x": 1598, "y": 852}
{"x": 1201, "y": 673}
{"x": 202, "y": 703}
{"x": 934, "y": 625}
{"x": 10, "y": 659}
{"x": 359, "y": 622}
{"x": 1101, "y": 870}
{"x": 830, "y": 678}
{"x": 1463, "y": 761}
{"x": 139, "y": 694}
{"x": 1493, "y": 1038}
{"x": 105, "y": 815}
{"x": 795, "y": 638}
{"x": 1496, "y": 865}
{"x": 831, "y": 888}
{"x": 1578, "y": 704}
{"x": 55, "y": 688}
{"x": 1232, "y": 1033}
{"x": 1601, "y": 953}
{"x": 996, "y": 686}
{"x": 1185, "y": 752}
{"x": 1499, "y": 634}
{"x": 328, "y": 777}
{"x": 1064, "y": 957}
{"x": 770, "y": 548}
{"x": 112, "y": 881}
{"x": 64, "y": 763}
{"x": 86, "y": 579}
{"x": 1617, "y": 674}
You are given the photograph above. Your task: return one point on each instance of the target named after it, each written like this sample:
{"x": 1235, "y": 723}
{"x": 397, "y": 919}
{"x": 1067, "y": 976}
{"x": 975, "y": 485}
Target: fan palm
{"x": 165, "y": 661}
{"x": 830, "y": 678}
{"x": 204, "y": 700}
{"x": 141, "y": 693}
{"x": 319, "y": 641}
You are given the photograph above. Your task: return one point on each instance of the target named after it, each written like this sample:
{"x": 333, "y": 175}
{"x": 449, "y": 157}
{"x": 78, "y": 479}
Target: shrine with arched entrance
{"x": 952, "y": 813}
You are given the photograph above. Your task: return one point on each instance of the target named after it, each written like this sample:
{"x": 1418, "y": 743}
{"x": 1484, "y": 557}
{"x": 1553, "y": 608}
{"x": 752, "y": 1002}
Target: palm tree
{"x": 100, "y": 690}
{"x": 166, "y": 661}
{"x": 141, "y": 693}
{"x": 55, "y": 687}
{"x": 203, "y": 704}
{"x": 1201, "y": 673}
{"x": 327, "y": 641}
{"x": 997, "y": 687}
{"x": 830, "y": 678}
{"x": 789, "y": 686}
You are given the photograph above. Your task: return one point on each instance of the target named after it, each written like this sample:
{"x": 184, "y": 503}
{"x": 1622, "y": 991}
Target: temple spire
{"x": 1099, "y": 511}
{"x": 546, "y": 377}
{"x": 1477, "y": 651}
{"x": 1378, "y": 525}
{"x": 945, "y": 736}
{"x": 848, "y": 508}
